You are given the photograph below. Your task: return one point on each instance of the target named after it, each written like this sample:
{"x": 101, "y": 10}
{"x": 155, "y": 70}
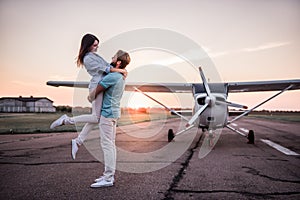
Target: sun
{"x": 137, "y": 100}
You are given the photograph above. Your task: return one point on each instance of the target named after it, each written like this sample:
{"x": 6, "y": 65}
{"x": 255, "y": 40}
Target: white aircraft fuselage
{"x": 215, "y": 115}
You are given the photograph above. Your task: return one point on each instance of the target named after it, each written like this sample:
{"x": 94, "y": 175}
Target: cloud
{"x": 213, "y": 54}
{"x": 217, "y": 54}
{"x": 194, "y": 54}
{"x": 169, "y": 61}
{"x": 252, "y": 49}
{"x": 266, "y": 46}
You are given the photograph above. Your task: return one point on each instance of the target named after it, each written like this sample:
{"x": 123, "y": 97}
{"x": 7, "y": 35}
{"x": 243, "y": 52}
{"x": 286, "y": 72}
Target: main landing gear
{"x": 171, "y": 135}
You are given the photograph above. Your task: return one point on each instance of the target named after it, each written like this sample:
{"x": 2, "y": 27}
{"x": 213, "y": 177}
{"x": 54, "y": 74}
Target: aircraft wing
{"x": 160, "y": 87}
{"x": 78, "y": 84}
{"x": 233, "y": 87}
{"x": 147, "y": 87}
{"x": 260, "y": 86}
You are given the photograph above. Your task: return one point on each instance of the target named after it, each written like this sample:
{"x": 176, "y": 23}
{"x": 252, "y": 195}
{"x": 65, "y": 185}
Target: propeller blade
{"x": 205, "y": 83}
{"x": 196, "y": 115}
{"x": 237, "y": 105}
{"x": 232, "y": 104}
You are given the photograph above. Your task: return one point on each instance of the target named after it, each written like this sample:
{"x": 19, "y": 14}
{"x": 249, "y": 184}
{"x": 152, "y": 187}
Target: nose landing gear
{"x": 250, "y": 137}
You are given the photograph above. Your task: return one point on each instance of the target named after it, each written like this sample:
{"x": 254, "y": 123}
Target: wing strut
{"x": 171, "y": 110}
{"x": 235, "y": 130}
{"x": 248, "y": 111}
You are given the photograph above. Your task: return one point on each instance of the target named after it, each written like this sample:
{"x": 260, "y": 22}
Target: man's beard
{"x": 113, "y": 64}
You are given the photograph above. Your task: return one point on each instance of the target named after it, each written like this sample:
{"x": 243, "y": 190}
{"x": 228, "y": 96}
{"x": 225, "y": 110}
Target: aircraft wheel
{"x": 171, "y": 135}
{"x": 250, "y": 137}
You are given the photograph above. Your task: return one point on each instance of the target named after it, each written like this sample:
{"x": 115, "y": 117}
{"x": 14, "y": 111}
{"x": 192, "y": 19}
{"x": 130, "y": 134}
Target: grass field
{"x": 290, "y": 117}
{"x": 16, "y": 123}
{"x": 40, "y": 122}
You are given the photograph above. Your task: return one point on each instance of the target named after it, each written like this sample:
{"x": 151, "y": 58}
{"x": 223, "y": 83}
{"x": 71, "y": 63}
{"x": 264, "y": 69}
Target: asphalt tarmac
{"x": 39, "y": 166}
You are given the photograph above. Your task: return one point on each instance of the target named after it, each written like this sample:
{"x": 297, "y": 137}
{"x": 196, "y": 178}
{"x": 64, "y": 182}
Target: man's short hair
{"x": 124, "y": 58}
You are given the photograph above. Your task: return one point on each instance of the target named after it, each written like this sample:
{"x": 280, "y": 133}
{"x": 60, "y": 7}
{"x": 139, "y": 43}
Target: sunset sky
{"x": 247, "y": 40}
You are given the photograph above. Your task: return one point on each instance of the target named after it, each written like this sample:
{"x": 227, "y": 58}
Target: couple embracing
{"x": 106, "y": 88}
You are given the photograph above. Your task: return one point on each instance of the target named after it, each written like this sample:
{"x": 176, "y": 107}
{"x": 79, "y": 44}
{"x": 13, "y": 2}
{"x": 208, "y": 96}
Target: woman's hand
{"x": 92, "y": 96}
{"x": 124, "y": 72}
{"x": 89, "y": 99}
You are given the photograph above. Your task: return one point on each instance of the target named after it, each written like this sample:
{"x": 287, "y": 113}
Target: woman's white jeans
{"x": 107, "y": 127}
{"x": 90, "y": 120}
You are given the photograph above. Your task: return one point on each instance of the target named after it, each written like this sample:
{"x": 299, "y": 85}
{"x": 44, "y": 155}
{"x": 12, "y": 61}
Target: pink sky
{"x": 247, "y": 40}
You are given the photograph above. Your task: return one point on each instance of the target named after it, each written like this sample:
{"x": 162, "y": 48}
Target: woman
{"x": 96, "y": 66}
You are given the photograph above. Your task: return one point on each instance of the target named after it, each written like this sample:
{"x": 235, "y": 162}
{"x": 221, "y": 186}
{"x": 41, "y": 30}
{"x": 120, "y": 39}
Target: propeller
{"x": 209, "y": 100}
{"x": 205, "y": 83}
{"x": 232, "y": 104}
{"x": 196, "y": 115}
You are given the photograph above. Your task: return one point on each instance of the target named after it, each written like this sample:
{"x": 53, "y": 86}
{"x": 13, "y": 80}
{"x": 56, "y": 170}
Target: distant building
{"x": 26, "y": 104}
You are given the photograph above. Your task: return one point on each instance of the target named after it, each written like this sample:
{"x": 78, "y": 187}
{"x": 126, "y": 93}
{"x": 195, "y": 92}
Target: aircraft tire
{"x": 250, "y": 137}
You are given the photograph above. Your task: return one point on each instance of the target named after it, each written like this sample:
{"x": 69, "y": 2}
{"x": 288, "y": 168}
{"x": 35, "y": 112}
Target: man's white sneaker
{"x": 102, "y": 183}
{"x": 102, "y": 178}
{"x": 59, "y": 121}
{"x": 74, "y": 148}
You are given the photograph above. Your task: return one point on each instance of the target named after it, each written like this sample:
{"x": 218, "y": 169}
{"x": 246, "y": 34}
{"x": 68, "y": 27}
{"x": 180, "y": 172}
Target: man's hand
{"x": 92, "y": 96}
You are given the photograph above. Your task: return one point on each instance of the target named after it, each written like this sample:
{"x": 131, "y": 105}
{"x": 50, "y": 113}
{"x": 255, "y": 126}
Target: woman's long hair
{"x": 86, "y": 42}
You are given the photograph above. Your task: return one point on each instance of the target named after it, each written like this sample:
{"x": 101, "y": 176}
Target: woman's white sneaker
{"x": 59, "y": 121}
{"x": 74, "y": 148}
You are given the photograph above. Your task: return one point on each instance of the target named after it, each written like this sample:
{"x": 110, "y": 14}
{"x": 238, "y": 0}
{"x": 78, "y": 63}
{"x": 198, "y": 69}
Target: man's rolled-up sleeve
{"x": 108, "y": 81}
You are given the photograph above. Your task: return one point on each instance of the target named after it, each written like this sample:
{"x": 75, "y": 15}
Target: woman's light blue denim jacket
{"x": 95, "y": 65}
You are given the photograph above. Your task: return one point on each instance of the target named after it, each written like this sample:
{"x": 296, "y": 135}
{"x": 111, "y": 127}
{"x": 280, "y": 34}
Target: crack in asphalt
{"x": 27, "y": 139}
{"x": 257, "y": 173}
{"x": 176, "y": 179}
{"x": 252, "y": 194}
{"x": 179, "y": 175}
{"x": 71, "y": 162}
{"x": 29, "y": 152}
{"x": 34, "y": 149}
{"x": 48, "y": 163}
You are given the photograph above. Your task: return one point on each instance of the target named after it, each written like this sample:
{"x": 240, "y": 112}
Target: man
{"x": 112, "y": 85}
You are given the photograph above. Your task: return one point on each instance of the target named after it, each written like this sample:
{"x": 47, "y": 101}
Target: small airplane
{"x": 211, "y": 109}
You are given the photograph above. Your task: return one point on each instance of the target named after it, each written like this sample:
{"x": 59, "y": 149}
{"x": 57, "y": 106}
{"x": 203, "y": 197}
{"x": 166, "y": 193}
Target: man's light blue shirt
{"x": 114, "y": 85}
